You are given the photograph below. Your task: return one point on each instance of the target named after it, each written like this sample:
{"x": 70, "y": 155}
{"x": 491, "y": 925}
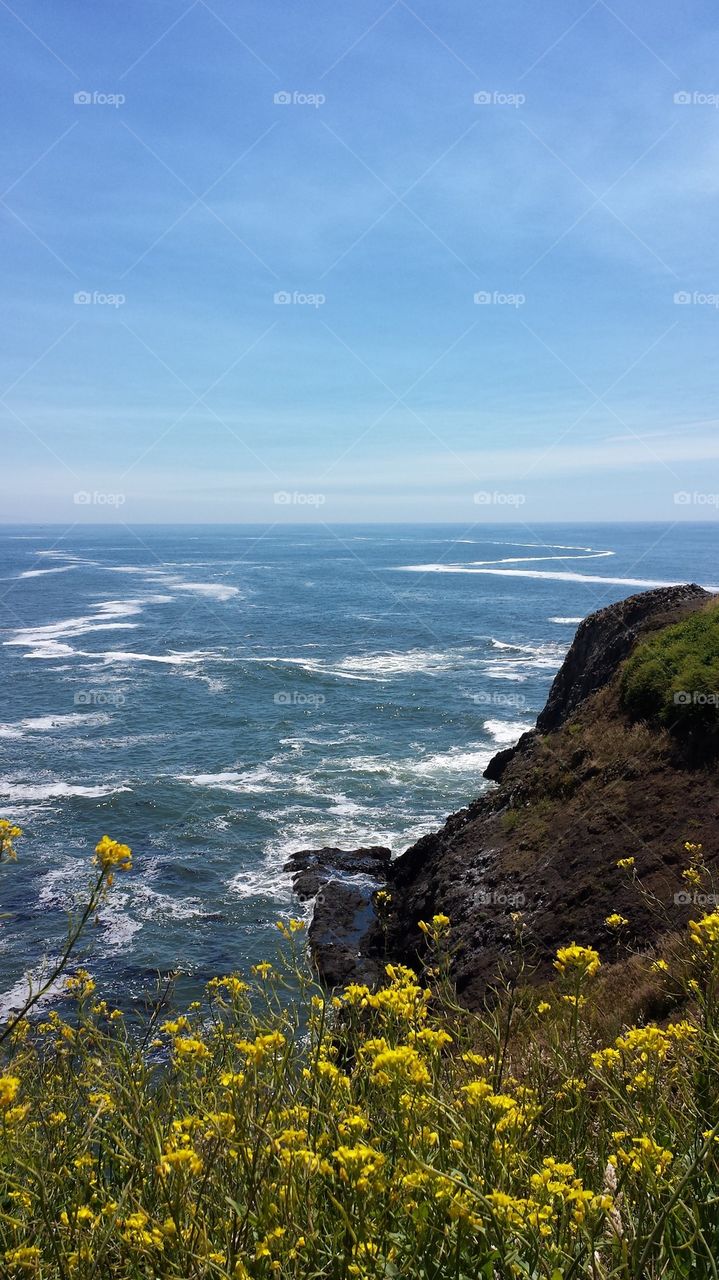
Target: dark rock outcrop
{"x": 343, "y": 935}
{"x": 586, "y": 787}
{"x": 605, "y": 638}
{"x": 602, "y": 641}
{"x": 343, "y": 883}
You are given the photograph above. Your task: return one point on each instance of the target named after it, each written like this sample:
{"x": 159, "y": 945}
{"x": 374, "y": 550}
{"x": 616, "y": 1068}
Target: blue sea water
{"x": 220, "y": 696}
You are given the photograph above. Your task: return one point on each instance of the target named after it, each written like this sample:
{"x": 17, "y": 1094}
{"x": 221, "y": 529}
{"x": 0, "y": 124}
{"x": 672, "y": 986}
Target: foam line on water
{"x": 549, "y": 575}
{"x": 35, "y": 791}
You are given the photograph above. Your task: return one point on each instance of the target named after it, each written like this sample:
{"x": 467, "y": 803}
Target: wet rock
{"x": 344, "y": 924}
{"x": 311, "y": 868}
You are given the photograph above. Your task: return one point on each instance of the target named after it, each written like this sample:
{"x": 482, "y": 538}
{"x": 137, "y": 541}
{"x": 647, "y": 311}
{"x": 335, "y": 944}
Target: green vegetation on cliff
{"x": 673, "y": 677}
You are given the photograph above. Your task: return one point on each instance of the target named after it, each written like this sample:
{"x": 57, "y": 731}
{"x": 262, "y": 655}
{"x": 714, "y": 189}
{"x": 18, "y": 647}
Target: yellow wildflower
{"x": 25, "y": 1256}
{"x": 111, "y": 855}
{"x": 402, "y": 1065}
{"x": 582, "y": 961}
{"x": 9, "y": 1086}
{"x": 615, "y": 921}
{"x": 8, "y": 833}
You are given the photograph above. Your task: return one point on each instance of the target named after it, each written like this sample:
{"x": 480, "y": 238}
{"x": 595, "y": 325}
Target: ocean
{"x": 219, "y": 696}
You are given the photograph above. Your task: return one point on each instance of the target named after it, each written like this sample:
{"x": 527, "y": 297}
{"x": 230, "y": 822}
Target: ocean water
{"x": 220, "y": 696}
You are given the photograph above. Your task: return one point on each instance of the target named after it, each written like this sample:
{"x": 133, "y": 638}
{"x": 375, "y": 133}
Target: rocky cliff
{"x": 587, "y": 786}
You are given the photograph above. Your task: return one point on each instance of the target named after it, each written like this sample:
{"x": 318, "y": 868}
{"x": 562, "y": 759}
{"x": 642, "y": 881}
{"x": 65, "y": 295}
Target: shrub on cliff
{"x": 672, "y": 678}
{"x": 370, "y": 1135}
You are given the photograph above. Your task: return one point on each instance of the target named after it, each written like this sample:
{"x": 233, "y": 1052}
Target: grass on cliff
{"x": 376, "y": 1134}
{"x": 673, "y": 677}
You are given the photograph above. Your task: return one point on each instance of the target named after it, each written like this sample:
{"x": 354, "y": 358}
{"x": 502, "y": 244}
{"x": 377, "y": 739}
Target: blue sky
{"x": 576, "y": 195}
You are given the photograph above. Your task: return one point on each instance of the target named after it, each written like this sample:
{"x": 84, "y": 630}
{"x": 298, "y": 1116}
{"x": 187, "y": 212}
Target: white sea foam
{"x": 39, "y": 573}
{"x": 516, "y": 661}
{"x": 267, "y": 880}
{"x": 311, "y": 666}
{"x": 400, "y": 772}
{"x": 171, "y": 659}
{"x": 346, "y": 808}
{"x": 506, "y": 732}
{"x": 15, "y": 999}
{"x": 20, "y": 791}
{"x": 456, "y": 760}
{"x": 375, "y": 666}
{"x": 62, "y": 888}
{"x": 567, "y": 621}
{"x": 258, "y": 780}
{"x": 548, "y": 574}
{"x": 591, "y": 555}
{"x": 45, "y": 641}
{"x": 214, "y": 590}
{"x": 45, "y": 724}
{"x": 413, "y": 662}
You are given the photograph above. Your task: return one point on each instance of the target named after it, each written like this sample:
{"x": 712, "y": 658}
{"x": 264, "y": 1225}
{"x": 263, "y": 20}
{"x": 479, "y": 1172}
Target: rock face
{"x": 602, "y": 641}
{"x": 605, "y": 639}
{"x": 342, "y": 882}
{"x": 586, "y": 787}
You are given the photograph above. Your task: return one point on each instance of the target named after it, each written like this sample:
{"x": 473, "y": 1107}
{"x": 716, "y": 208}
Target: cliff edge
{"x": 589, "y": 785}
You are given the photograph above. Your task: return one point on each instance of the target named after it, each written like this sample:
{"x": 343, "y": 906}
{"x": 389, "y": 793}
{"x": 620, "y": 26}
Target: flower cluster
{"x": 274, "y": 1130}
